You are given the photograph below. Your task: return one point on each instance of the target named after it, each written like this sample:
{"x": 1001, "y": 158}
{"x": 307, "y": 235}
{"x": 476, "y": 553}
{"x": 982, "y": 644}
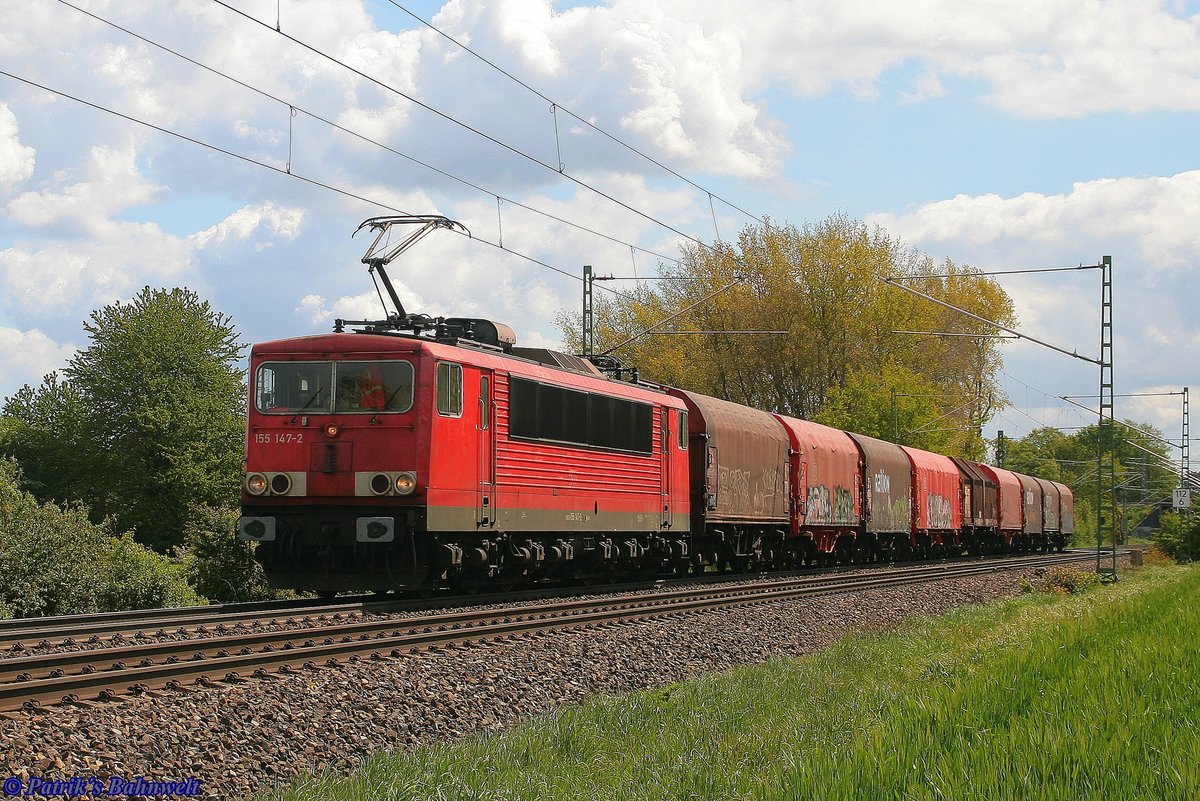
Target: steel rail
{"x": 70, "y": 629}
{"x": 178, "y": 613}
{"x": 389, "y": 638}
{"x": 330, "y": 616}
{"x": 25, "y": 668}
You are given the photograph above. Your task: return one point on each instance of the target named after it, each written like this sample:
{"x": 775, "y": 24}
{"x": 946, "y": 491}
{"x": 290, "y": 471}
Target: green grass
{"x": 1042, "y": 697}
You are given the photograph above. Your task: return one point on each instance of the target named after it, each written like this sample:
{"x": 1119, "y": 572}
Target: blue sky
{"x": 999, "y": 135}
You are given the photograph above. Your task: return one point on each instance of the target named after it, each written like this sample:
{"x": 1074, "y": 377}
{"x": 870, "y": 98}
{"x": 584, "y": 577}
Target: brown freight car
{"x": 739, "y": 478}
{"x": 887, "y": 504}
{"x": 1033, "y": 536}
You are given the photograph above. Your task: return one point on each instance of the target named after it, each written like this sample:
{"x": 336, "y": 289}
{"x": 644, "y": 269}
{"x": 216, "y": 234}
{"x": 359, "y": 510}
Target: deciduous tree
{"x": 148, "y": 420}
{"x": 841, "y": 355}
{"x": 1144, "y": 481}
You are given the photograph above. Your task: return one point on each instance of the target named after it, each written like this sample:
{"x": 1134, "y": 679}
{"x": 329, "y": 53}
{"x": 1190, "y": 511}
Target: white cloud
{"x": 109, "y": 265}
{"x": 1157, "y": 214}
{"x": 106, "y": 259}
{"x": 1053, "y": 58}
{"x": 1145, "y": 224}
{"x": 928, "y": 85}
{"x": 316, "y": 310}
{"x": 264, "y": 136}
{"x": 109, "y": 210}
{"x": 274, "y": 221}
{"x": 29, "y": 355}
{"x": 112, "y": 182}
{"x": 16, "y": 160}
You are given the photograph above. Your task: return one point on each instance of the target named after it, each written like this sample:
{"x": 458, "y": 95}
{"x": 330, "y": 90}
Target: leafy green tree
{"x": 899, "y": 405}
{"x": 43, "y": 430}
{"x": 1140, "y": 458}
{"x": 54, "y": 560}
{"x": 841, "y": 354}
{"x": 148, "y": 420}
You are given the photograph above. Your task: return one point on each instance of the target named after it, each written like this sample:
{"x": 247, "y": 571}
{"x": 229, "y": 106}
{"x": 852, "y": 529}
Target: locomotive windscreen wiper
{"x": 386, "y": 404}
{"x": 309, "y": 402}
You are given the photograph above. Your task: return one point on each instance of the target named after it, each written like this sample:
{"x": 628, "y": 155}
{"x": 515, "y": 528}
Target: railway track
{"x": 27, "y": 681}
{"x": 94, "y": 628}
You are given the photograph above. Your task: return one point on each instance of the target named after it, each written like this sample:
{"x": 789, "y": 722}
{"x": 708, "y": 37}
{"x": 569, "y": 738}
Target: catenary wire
{"x": 363, "y": 137}
{"x": 578, "y": 118}
{"x": 271, "y": 167}
{"x": 455, "y": 121}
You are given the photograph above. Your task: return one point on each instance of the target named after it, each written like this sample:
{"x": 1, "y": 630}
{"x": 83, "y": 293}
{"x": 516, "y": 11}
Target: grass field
{"x": 1095, "y": 695}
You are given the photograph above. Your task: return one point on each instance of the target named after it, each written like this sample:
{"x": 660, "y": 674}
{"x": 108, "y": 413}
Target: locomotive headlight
{"x": 406, "y": 484}
{"x": 380, "y": 483}
{"x": 281, "y": 483}
{"x": 332, "y": 430}
{"x": 256, "y": 483}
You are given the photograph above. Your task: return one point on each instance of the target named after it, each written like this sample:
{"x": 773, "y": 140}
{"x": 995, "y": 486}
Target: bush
{"x": 1065, "y": 580}
{"x": 219, "y": 565}
{"x": 1178, "y": 536}
{"x": 138, "y": 578}
{"x": 55, "y": 561}
{"x": 1156, "y": 556}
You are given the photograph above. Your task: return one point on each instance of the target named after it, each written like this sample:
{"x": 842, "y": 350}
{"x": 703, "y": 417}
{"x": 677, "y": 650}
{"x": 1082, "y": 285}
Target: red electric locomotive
{"x": 376, "y": 460}
{"x": 382, "y": 462}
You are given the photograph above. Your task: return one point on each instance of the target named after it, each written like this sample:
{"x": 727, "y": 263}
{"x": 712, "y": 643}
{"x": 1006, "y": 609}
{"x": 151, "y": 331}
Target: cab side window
{"x": 449, "y": 389}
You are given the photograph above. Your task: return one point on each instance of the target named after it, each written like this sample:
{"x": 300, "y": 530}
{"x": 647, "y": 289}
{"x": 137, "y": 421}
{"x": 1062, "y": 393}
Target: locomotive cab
{"x": 334, "y": 483}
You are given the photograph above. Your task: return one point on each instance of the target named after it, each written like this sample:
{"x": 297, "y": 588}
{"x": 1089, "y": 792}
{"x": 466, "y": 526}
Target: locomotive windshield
{"x": 333, "y": 387}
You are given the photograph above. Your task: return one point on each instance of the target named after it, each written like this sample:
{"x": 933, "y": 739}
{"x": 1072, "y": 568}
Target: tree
{"x": 148, "y": 422}
{"x": 43, "y": 430}
{"x": 899, "y": 405}
{"x": 841, "y": 355}
{"x": 1144, "y": 481}
{"x": 55, "y": 561}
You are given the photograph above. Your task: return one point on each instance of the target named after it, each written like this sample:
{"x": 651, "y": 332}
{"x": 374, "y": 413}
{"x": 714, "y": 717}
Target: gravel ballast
{"x": 239, "y": 738}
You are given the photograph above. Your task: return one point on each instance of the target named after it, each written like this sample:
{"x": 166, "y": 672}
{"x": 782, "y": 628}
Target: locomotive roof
{"x": 539, "y": 363}
{"x": 338, "y": 343}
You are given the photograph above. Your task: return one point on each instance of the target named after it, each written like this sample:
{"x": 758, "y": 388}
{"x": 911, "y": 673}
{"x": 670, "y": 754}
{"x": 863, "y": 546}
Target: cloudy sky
{"x": 1015, "y": 135}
